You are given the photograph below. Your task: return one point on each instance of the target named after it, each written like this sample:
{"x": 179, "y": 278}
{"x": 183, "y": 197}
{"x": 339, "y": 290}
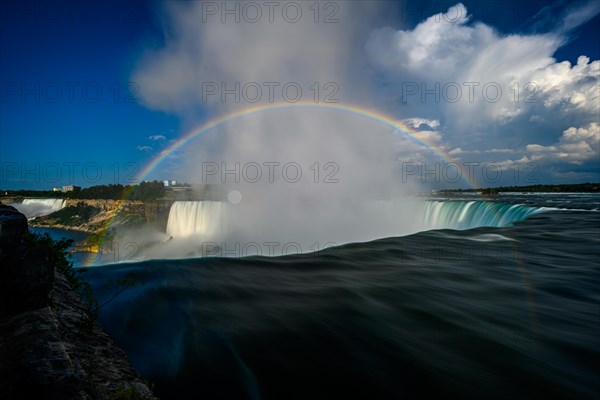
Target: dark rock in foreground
{"x": 44, "y": 353}
{"x": 13, "y": 225}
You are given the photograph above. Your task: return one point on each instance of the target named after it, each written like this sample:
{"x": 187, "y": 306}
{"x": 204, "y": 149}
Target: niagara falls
{"x": 299, "y": 199}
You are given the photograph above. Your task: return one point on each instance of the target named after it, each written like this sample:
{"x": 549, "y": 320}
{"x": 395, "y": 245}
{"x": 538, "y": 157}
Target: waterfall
{"x": 39, "y": 207}
{"x": 215, "y": 228}
{"x": 212, "y": 228}
{"x": 208, "y": 218}
{"x": 473, "y": 214}
{"x": 204, "y": 218}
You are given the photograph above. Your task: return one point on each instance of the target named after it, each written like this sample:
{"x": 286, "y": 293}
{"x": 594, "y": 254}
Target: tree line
{"x": 144, "y": 191}
{"x": 588, "y": 187}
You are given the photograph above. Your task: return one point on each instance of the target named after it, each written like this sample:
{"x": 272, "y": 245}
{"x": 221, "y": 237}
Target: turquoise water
{"x": 508, "y": 311}
{"x": 473, "y": 214}
{"x": 78, "y": 258}
{"x": 58, "y": 234}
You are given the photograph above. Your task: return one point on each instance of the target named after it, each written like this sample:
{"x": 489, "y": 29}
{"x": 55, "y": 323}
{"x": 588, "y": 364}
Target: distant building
{"x": 70, "y": 188}
{"x": 173, "y": 183}
{"x": 56, "y": 189}
{"x": 166, "y": 183}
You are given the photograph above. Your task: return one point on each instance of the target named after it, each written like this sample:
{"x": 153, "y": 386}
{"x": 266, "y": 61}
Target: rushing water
{"x": 39, "y": 207}
{"x": 504, "y": 311}
{"x": 201, "y": 223}
{"x": 188, "y": 218}
{"x": 473, "y": 214}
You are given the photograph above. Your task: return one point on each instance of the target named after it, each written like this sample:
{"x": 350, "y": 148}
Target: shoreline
{"x": 32, "y": 224}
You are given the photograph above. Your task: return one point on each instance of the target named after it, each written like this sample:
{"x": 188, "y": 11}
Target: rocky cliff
{"x": 44, "y": 352}
{"x": 98, "y": 216}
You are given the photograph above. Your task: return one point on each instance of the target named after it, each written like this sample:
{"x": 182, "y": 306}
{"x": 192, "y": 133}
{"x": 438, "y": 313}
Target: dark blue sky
{"x": 66, "y": 95}
{"x": 515, "y": 16}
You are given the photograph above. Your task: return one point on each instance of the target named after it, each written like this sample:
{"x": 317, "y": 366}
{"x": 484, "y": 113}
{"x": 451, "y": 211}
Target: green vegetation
{"x": 125, "y": 393}
{"x": 128, "y": 392}
{"x": 82, "y": 216}
{"x": 74, "y": 215}
{"x": 54, "y": 256}
{"x": 59, "y": 255}
{"x": 148, "y": 191}
{"x": 572, "y": 188}
{"x": 144, "y": 191}
{"x": 489, "y": 192}
{"x": 130, "y": 220}
{"x": 100, "y": 192}
{"x": 44, "y": 194}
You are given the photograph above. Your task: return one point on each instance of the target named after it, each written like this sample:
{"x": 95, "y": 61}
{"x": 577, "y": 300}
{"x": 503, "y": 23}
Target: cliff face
{"x": 95, "y": 216}
{"x": 44, "y": 353}
{"x": 157, "y": 212}
{"x": 92, "y": 216}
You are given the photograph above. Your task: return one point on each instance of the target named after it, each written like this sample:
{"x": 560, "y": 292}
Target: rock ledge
{"x": 44, "y": 353}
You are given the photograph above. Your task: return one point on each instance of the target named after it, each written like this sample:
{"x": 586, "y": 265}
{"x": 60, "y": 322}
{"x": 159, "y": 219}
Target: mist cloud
{"x": 330, "y": 169}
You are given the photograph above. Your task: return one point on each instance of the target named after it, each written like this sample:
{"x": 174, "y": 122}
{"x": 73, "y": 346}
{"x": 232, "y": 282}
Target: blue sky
{"x": 82, "y": 90}
{"x": 54, "y": 58}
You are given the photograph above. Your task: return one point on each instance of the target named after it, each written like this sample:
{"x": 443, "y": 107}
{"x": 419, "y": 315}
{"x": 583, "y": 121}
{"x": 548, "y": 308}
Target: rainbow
{"x": 374, "y": 115}
{"x": 348, "y": 108}
{"x": 218, "y": 121}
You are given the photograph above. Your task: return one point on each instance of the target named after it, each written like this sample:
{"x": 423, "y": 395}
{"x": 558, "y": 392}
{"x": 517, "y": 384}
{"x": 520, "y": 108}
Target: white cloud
{"x": 479, "y": 76}
{"x": 578, "y": 15}
{"x": 499, "y": 151}
{"x": 538, "y": 99}
{"x": 362, "y": 150}
{"x": 575, "y": 156}
{"x": 450, "y": 49}
{"x": 569, "y": 88}
{"x": 575, "y": 146}
{"x": 418, "y": 122}
{"x": 434, "y": 137}
{"x": 146, "y": 149}
{"x": 180, "y": 77}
